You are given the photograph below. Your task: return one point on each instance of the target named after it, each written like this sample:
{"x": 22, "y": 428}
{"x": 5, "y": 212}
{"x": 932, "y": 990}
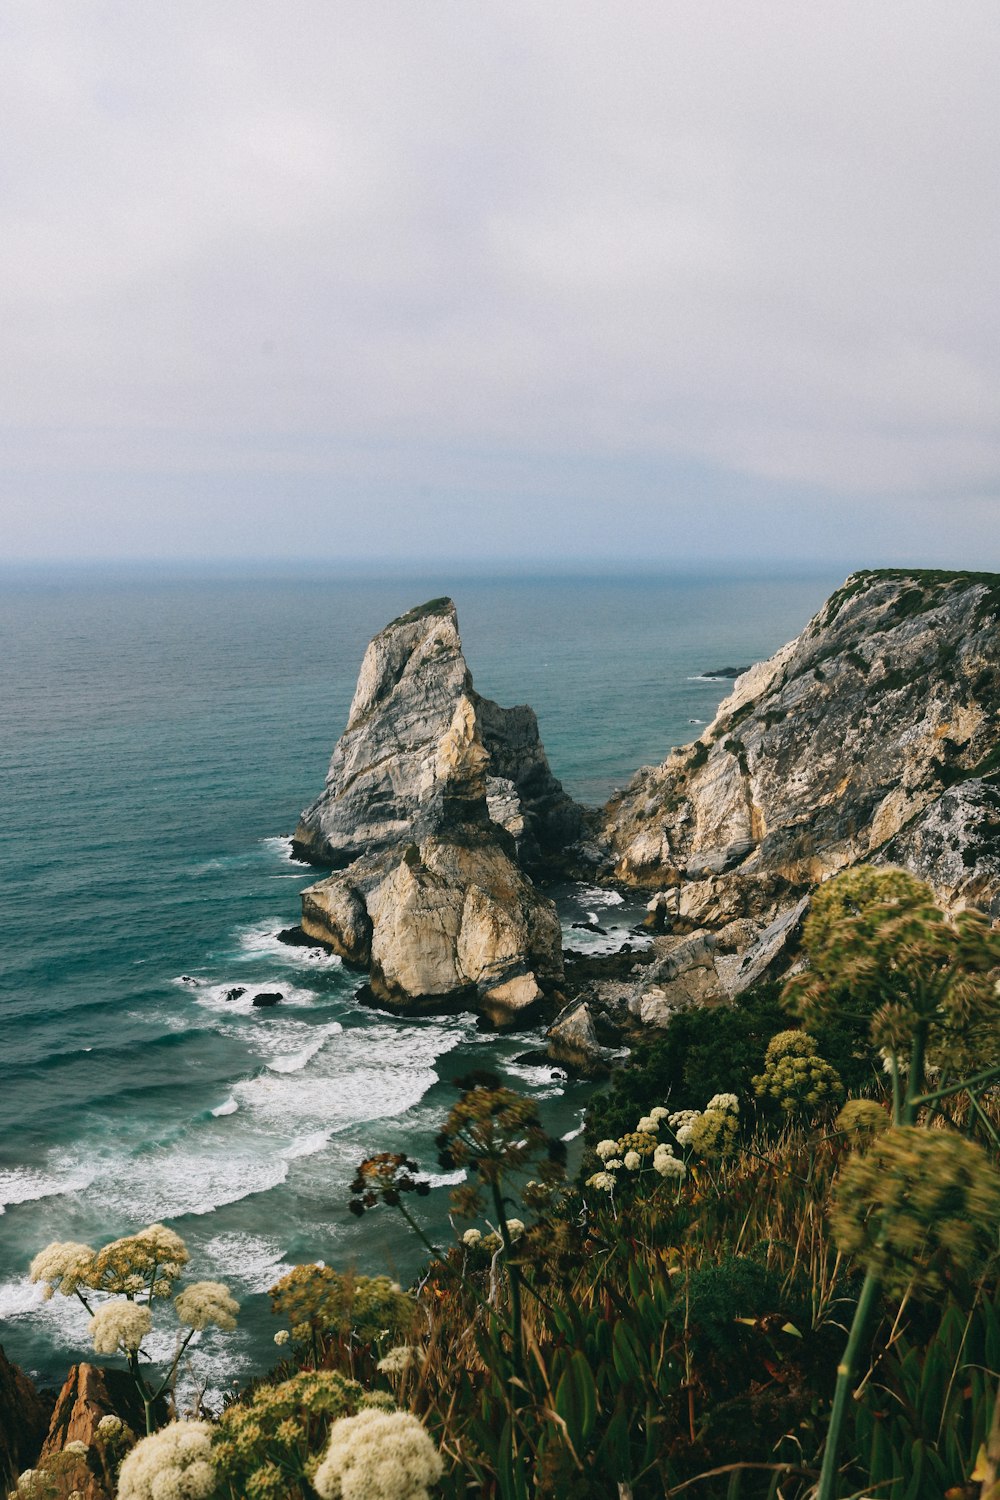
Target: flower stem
{"x": 845, "y": 1381}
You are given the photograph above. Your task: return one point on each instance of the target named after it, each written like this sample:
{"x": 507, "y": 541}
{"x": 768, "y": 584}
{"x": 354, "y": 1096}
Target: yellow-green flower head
{"x": 378, "y": 1455}
{"x": 206, "y": 1303}
{"x": 800, "y": 1084}
{"x": 791, "y": 1044}
{"x": 119, "y": 1326}
{"x": 861, "y": 1117}
{"x": 642, "y": 1141}
{"x": 713, "y": 1133}
{"x": 153, "y": 1257}
{"x": 174, "y": 1464}
{"x": 916, "y": 1203}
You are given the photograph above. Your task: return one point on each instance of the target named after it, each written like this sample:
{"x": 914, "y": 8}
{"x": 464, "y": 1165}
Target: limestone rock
{"x": 454, "y": 918}
{"x": 874, "y": 734}
{"x": 423, "y": 752}
{"x": 572, "y": 1042}
{"x": 24, "y": 1421}
{"x": 685, "y": 975}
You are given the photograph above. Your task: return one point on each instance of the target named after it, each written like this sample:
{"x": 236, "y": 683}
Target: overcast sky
{"x": 458, "y": 279}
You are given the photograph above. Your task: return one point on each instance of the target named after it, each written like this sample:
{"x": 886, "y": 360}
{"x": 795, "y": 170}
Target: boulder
{"x": 572, "y": 1042}
{"x": 685, "y": 975}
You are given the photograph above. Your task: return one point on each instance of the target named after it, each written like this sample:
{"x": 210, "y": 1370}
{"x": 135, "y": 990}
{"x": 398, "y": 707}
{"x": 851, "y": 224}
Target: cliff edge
{"x": 874, "y": 735}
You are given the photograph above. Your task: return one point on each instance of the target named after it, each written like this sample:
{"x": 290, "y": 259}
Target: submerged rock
{"x": 435, "y": 801}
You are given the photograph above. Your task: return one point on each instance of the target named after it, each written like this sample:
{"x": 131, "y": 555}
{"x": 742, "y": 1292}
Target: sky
{"x": 567, "y": 283}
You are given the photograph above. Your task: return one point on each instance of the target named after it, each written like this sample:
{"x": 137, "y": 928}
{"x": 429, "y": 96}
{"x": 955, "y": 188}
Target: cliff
{"x": 875, "y": 734}
{"x": 436, "y": 803}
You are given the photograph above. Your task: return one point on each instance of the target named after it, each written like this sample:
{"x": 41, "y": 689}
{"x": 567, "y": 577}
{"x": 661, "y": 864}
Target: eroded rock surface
{"x": 850, "y": 743}
{"x": 435, "y": 802}
{"x": 422, "y": 751}
{"x": 24, "y": 1420}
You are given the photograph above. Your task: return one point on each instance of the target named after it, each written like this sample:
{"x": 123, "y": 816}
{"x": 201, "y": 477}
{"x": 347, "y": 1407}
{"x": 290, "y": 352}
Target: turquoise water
{"x": 158, "y": 737}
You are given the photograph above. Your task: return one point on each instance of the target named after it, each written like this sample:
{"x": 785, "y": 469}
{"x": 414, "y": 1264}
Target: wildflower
{"x": 62, "y": 1266}
{"x": 398, "y": 1359}
{"x": 204, "y": 1303}
{"x": 174, "y": 1464}
{"x": 282, "y": 1336}
{"x": 29, "y": 1484}
{"x": 724, "y": 1102}
{"x": 642, "y": 1141}
{"x": 613, "y": 1164}
{"x": 77, "y": 1448}
{"x": 633, "y": 1161}
{"x": 712, "y": 1134}
{"x": 110, "y": 1427}
{"x": 795, "y": 1077}
{"x": 606, "y": 1148}
{"x": 648, "y": 1125}
{"x": 916, "y": 1202}
{"x": 150, "y": 1260}
{"x": 862, "y": 1117}
{"x": 471, "y": 1238}
{"x": 603, "y": 1181}
{"x": 682, "y": 1117}
{"x": 385, "y": 1177}
{"x": 659, "y": 1113}
{"x": 378, "y": 1456}
{"x": 668, "y": 1165}
{"x": 119, "y": 1326}
{"x": 515, "y": 1228}
{"x": 267, "y": 1483}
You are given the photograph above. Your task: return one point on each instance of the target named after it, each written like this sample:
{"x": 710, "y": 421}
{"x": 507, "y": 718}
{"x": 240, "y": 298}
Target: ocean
{"x": 159, "y": 734}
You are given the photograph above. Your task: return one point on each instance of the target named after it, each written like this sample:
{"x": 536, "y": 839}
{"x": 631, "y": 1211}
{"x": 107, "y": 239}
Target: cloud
{"x": 378, "y": 247}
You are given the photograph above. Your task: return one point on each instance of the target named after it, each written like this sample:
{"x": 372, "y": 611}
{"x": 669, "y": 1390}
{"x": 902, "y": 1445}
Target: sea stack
{"x": 436, "y": 805}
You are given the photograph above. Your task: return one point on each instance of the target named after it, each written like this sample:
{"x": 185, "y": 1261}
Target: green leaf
{"x": 576, "y": 1401}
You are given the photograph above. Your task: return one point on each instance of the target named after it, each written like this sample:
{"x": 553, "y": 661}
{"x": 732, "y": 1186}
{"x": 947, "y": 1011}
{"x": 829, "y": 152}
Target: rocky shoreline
{"x": 873, "y": 736}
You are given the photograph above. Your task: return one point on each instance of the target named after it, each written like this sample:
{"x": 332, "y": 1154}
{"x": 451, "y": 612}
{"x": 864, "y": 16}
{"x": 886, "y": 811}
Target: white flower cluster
{"x": 515, "y": 1228}
{"x": 603, "y": 1181}
{"x": 173, "y": 1464}
{"x": 282, "y": 1336}
{"x": 724, "y": 1102}
{"x": 471, "y": 1238}
{"x": 119, "y": 1325}
{"x": 666, "y": 1163}
{"x": 605, "y": 1149}
{"x": 110, "y": 1427}
{"x": 398, "y": 1359}
{"x": 62, "y": 1266}
{"x": 207, "y": 1302}
{"x": 632, "y": 1161}
{"x": 77, "y": 1448}
{"x": 377, "y": 1455}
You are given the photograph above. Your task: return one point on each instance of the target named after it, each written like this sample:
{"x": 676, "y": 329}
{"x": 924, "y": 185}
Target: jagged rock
{"x": 265, "y": 1000}
{"x": 572, "y": 1042}
{"x": 954, "y": 845}
{"x": 24, "y": 1421}
{"x": 768, "y": 955}
{"x": 89, "y": 1394}
{"x": 685, "y": 975}
{"x": 434, "y": 795}
{"x": 837, "y": 750}
{"x": 422, "y": 752}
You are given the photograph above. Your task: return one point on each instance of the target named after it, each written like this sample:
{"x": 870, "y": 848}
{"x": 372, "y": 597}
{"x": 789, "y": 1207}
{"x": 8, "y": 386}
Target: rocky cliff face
{"x": 423, "y": 752}
{"x": 873, "y": 735}
{"x": 435, "y": 802}
{"x": 24, "y": 1421}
